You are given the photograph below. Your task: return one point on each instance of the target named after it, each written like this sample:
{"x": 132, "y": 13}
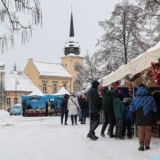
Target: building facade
{"x": 17, "y": 84}
{"x": 51, "y": 77}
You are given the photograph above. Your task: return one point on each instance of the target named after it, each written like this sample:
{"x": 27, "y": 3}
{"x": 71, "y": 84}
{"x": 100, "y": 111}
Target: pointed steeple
{"x": 72, "y": 45}
{"x": 71, "y": 27}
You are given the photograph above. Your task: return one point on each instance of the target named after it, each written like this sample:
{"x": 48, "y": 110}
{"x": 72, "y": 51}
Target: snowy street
{"x": 44, "y": 138}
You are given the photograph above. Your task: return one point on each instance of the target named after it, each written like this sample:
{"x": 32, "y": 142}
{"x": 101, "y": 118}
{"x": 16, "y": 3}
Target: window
{"x": 76, "y": 86}
{"x": 54, "y": 87}
{"x": 44, "y": 87}
{"x": 15, "y": 100}
{"x": 8, "y": 101}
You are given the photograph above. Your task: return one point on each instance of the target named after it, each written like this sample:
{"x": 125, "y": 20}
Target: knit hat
{"x": 119, "y": 95}
{"x": 95, "y": 84}
{"x": 115, "y": 90}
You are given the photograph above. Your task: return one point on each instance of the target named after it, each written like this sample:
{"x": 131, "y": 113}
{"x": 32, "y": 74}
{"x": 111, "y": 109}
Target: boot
{"x": 102, "y": 134}
{"x": 141, "y": 148}
{"x": 112, "y": 136}
{"x": 95, "y": 135}
{"x": 91, "y": 136}
{"x": 147, "y": 147}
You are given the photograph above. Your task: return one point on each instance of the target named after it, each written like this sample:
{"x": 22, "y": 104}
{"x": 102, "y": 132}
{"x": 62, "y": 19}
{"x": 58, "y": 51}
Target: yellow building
{"x": 50, "y": 77}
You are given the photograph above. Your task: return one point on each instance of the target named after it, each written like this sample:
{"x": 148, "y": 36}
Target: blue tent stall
{"x": 37, "y": 105}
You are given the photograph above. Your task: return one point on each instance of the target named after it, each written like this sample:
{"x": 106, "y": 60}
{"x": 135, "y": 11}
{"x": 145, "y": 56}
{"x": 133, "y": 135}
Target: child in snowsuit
{"x": 119, "y": 111}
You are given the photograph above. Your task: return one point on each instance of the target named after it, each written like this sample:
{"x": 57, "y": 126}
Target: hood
{"x": 66, "y": 96}
{"x": 142, "y": 91}
{"x": 95, "y": 84}
{"x": 110, "y": 92}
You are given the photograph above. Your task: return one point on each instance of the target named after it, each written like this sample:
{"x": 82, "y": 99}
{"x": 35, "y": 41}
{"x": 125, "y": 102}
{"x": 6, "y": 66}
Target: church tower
{"x": 71, "y": 58}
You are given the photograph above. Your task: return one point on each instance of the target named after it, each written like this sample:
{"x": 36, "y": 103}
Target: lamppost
{"x": 16, "y": 83}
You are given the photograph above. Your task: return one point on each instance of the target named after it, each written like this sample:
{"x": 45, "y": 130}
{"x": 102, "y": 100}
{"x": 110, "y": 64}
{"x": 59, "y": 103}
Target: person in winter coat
{"x": 144, "y": 107}
{"x": 83, "y": 106}
{"x": 119, "y": 111}
{"x": 108, "y": 112}
{"x": 64, "y": 110}
{"x": 128, "y": 118}
{"x": 73, "y": 106}
{"x": 94, "y": 109}
{"x": 24, "y": 107}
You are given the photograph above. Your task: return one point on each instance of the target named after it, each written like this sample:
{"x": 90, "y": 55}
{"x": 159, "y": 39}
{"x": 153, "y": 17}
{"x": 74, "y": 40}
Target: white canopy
{"x": 36, "y": 92}
{"x": 139, "y": 64}
{"x": 62, "y": 91}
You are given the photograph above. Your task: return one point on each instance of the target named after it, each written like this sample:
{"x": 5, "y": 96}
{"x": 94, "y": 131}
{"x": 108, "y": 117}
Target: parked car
{"x": 16, "y": 110}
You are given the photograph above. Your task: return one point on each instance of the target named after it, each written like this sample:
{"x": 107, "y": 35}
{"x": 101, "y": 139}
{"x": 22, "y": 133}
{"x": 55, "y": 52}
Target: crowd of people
{"x": 74, "y": 107}
{"x": 143, "y": 110}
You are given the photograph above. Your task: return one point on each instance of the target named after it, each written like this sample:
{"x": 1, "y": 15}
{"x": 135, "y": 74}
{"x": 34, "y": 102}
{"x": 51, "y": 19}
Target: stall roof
{"x": 62, "y": 91}
{"x": 140, "y": 63}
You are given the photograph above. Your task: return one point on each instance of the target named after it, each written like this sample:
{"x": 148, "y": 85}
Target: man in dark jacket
{"x": 108, "y": 112}
{"x": 94, "y": 108}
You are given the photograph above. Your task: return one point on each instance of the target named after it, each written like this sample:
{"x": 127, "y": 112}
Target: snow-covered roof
{"x": 62, "y": 91}
{"x": 51, "y": 69}
{"x": 73, "y": 55}
{"x": 23, "y": 83}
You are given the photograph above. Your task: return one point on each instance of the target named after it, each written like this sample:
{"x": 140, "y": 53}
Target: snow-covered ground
{"x": 44, "y": 138}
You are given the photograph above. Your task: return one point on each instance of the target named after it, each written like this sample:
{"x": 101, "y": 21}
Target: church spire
{"x": 71, "y": 27}
{"x": 72, "y": 45}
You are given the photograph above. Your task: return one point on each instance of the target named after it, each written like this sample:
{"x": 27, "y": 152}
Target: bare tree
{"x": 89, "y": 71}
{"x": 127, "y": 35}
{"x": 14, "y": 22}
{"x": 150, "y": 7}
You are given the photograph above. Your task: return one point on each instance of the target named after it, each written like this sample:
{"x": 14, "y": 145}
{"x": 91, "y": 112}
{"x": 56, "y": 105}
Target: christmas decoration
{"x": 145, "y": 76}
{"x": 150, "y": 73}
{"x": 115, "y": 84}
{"x": 156, "y": 71}
{"x": 132, "y": 78}
{"x": 130, "y": 90}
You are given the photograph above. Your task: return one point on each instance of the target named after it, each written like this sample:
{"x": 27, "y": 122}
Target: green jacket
{"x": 119, "y": 108}
{"x": 107, "y": 101}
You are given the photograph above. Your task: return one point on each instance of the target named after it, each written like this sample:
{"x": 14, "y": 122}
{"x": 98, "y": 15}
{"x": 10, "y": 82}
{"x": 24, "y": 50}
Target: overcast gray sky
{"x": 48, "y": 42}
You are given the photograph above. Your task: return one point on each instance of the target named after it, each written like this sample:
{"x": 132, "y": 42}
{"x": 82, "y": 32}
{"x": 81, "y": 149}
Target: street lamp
{"x": 16, "y": 83}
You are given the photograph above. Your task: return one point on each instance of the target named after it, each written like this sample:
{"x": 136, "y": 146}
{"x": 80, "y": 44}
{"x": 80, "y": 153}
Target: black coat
{"x": 83, "y": 103}
{"x": 143, "y": 120}
{"x": 95, "y": 103}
